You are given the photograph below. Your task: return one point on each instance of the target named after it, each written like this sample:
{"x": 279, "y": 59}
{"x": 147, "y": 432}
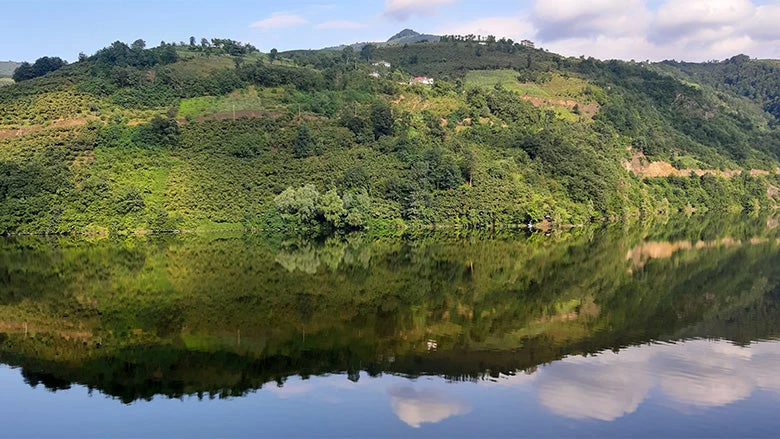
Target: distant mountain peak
{"x": 406, "y": 36}
{"x": 403, "y": 34}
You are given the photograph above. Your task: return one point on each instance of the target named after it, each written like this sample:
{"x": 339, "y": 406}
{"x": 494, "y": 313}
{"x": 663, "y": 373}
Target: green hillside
{"x": 219, "y": 136}
{"x": 756, "y": 80}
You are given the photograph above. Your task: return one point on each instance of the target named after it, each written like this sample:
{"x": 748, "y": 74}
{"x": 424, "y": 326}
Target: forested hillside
{"x": 757, "y": 80}
{"x": 216, "y": 135}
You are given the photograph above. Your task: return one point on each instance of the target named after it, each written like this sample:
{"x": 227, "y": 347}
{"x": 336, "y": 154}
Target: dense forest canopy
{"x": 213, "y": 134}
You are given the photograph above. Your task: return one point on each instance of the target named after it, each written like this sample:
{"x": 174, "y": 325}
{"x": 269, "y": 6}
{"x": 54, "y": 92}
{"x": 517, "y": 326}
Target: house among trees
{"x": 381, "y": 63}
{"x": 527, "y": 43}
{"x": 424, "y": 80}
{"x": 375, "y": 74}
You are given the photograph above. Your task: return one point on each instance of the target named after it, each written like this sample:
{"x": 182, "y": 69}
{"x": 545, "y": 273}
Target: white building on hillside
{"x": 424, "y": 80}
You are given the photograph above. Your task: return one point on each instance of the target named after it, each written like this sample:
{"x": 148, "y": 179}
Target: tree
{"x": 367, "y": 52}
{"x": 356, "y": 178}
{"x": 204, "y": 43}
{"x": 169, "y": 55}
{"x": 302, "y": 145}
{"x": 192, "y": 41}
{"x": 41, "y": 67}
{"x": 272, "y": 55}
{"x": 468, "y": 164}
{"x": 301, "y": 205}
{"x": 159, "y": 131}
{"x": 121, "y": 76}
{"x": 347, "y": 54}
{"x": 138, "y": 45}
{"x": 443, "y": 171}
{"x": 381, "y": 119}
{"x": 332, "y": 207}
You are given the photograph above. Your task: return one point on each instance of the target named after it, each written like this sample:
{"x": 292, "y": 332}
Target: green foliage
{"x": 160, "y": 131}
{"x": 85, "y": 148}
{"x": 303, "y": 144}
{"x": 40, "y": 67}
{"x": 381, "y": 119}
{"x": 757, "y": 80}
{"x": 304, "y": 209}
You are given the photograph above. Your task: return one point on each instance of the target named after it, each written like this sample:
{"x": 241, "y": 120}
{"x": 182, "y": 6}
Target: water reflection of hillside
{"x": 227, "y": 314}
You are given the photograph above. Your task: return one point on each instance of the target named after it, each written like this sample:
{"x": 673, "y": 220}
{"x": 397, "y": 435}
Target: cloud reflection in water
{"x": 697, "y": 373}
{"x": 415, "y": 407}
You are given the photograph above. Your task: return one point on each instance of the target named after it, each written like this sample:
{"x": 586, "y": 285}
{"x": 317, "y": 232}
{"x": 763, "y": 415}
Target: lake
{"x": 646, "y": 330}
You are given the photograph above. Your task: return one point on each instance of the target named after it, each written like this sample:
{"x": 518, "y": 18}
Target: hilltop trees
{"x": 41, "y": 67}
{"x": 233, "y": 48}
{"x": 119, "y": 54}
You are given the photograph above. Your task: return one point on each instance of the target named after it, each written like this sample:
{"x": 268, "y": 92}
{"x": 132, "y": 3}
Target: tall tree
{"x": 138, "y": 44}
{"x": 302, "y": 145}
{"x": 382, "y": 119}
{"x": 367, "y": 52}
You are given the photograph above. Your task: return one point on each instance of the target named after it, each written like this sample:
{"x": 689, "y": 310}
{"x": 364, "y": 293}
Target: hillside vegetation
{"x": 215, "y": 135}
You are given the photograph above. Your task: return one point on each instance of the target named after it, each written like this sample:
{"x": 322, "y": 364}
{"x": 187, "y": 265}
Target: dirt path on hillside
{"x": 643, "y": 167}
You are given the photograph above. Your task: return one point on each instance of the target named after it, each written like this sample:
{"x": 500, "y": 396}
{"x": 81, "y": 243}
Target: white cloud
{"x": 704, "y": 20}
{"x": 340, "y": 24}
{"x": 279, "y": 20}
{"x": 763, "y": 26}
{"x": 516, "y": 28}
{"x": 565, "y": 19}
{"x": 401, "y": 10}
{"x": 693, "y": 30}
{"x": 415, "y": 407}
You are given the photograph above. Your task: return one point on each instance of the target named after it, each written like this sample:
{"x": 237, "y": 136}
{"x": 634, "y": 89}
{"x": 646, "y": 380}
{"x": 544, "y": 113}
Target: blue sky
{"x": 627, "y": 29}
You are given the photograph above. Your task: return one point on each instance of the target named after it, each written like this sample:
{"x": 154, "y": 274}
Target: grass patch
{"x": 203, "y": 65}
{"x": 560, "y": 93}
{"x": 558, "y": 87}
{"x": 249, "y": 99}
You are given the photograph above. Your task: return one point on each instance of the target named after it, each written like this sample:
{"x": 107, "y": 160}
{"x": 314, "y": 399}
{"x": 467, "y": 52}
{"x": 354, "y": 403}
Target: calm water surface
{"x": 655, "y": 330}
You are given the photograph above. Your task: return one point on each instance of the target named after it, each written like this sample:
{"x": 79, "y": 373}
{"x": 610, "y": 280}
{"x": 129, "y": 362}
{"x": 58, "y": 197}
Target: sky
{"x": 691, "y": 30}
